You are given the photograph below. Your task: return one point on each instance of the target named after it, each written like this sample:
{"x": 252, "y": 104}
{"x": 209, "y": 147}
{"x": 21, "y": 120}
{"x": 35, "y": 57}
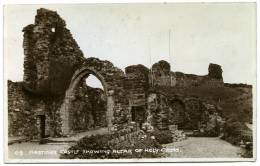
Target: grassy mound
{"x": 97, "y": 147}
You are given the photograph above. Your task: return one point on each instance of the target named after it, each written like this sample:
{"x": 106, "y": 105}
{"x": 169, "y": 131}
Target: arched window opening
{"x": 53, "y": 29}
{"x": 94, "y": 82}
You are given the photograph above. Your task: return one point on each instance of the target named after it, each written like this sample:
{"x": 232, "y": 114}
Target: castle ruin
{"x": 54, "y": 100}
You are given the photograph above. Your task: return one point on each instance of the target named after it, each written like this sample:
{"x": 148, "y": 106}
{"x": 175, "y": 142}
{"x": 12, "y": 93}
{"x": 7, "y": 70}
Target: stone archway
{"x": 194, "y": 111}
{"x": 112, "y": 80}
{"x": 67, "y": 107}
{"x": 166, "y": 110}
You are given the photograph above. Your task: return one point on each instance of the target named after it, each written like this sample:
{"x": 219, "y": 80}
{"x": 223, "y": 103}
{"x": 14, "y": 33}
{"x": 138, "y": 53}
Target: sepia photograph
{"x": 130, "y": 82}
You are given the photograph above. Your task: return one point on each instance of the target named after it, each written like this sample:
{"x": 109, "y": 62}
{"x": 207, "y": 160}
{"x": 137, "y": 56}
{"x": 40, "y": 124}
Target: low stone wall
{"x": 177, "y": 135}
{"x": 126, "y": 138}
{"x": 130, "y": 134}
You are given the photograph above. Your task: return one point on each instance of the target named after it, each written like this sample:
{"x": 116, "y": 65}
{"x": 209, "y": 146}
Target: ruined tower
{"x": 51, "y": 54}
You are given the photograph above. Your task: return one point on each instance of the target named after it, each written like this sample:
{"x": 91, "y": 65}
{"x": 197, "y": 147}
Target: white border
{"x": 3, "y": 90}
{"x": 155, "y": 160}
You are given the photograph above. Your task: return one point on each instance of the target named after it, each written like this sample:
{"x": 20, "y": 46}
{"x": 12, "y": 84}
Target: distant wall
{"x": 191, "y": 80}
{"x": 160, "y": 75}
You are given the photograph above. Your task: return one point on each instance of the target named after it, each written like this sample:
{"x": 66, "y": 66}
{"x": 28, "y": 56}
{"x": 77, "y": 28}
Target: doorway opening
{"x": 42, "y": 125}
{"x": 138, "y": 114}
{"x": 90, "y": 105}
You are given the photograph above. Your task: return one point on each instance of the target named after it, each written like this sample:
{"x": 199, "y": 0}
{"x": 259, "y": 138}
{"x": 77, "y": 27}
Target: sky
{"x": 188, "y": 35}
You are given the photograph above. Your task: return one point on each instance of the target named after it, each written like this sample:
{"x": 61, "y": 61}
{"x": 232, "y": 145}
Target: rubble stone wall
{"x": 161, "y": 75}
{"x": 23, "y": 111}
{"x": 17, "y": 109}
{"x": 190, "y": 80}
{"x": 185, "y": 112}
{"x": 51, "y": 54}
{"x": 129, "y": 134}
{"x": 136, "y": 84}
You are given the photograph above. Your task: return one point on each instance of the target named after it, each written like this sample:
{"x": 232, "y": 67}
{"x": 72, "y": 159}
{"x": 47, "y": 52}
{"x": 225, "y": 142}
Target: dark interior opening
{"x": 138, "y": 114}
{"x": 42, "y": 126}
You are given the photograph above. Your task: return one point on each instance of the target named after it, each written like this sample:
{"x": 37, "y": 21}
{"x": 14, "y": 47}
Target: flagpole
{"x": 149, "y": 53}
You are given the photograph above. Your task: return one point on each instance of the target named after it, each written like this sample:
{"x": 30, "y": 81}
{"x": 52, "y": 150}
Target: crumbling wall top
{"x": 51, "y": 54}
{"x": 137, "y": 69}
{"x": 162, "y": 65}
{"x": 215, "y": 71}
{"x": 48, "y": 18}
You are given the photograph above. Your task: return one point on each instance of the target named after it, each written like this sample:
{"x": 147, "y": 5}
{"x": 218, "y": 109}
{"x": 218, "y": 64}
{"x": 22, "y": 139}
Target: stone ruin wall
{"x": 195, "y": 114}
{"x": 51, "y": 54}
{"x": 23, "y": 111}
{"x": 161, "y": 75}
{"x": 18, "y": 109}
{"x": 51, "y": 57}
{"x": 137, "y": 84}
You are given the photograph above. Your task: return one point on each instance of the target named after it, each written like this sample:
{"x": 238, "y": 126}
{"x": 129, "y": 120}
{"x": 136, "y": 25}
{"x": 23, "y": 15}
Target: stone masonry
{"x": 51, "y": 54}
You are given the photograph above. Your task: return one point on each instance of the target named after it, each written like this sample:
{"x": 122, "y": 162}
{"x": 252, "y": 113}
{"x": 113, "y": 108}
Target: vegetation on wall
{"x": 162, "y": 136}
